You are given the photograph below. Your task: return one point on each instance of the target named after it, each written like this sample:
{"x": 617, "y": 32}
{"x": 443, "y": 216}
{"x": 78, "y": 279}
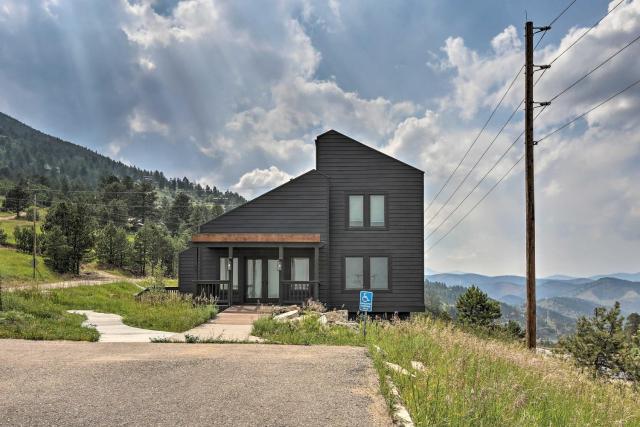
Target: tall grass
{"x": 33, "y": 314}
{"x": 306, "y": 332}
{"x": 168, "y": 312}
{"x": 472, "y": 381}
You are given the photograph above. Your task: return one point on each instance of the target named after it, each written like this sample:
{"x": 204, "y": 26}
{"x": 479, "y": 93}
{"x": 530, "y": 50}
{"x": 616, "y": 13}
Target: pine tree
{"x": 476, "y": 308}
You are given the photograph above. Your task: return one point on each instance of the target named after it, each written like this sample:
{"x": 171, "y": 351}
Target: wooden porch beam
{"x": 256, "y": 237}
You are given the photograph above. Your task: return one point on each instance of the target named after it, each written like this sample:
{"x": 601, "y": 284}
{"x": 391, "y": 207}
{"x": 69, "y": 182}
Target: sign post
{"x": 366, "y": 306}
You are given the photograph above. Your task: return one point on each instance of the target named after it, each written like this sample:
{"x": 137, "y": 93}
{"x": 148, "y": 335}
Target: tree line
{"x": 124, "y": 224}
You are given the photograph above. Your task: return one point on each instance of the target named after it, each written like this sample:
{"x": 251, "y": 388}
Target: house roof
{"x": 333, "y": 132}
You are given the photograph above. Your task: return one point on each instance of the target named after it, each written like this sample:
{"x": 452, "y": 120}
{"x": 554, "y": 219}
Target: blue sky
{"x": 232, "y": 94}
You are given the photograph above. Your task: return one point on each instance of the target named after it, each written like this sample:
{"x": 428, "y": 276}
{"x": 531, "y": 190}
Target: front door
{"x": 262, "y": 280}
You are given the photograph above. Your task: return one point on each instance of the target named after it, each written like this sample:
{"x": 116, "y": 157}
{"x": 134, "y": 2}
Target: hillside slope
{"x": 26, "y": 153}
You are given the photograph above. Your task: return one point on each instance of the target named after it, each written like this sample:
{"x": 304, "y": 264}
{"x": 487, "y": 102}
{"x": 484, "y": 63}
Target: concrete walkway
{"x": 112, "y": 329}
{"x": 233, "y": 324}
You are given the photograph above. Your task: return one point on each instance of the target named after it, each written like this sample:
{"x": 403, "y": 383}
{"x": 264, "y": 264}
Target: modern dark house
{"x": 354, "y": 222}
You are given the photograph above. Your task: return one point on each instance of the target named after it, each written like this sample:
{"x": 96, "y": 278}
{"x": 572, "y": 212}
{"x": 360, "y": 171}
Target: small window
{"x": 224, "y": 270}
{"x": 379, "y": 273}
{"x": 354, "y": 273}
{"x": 356, "y": 211}
{"x": 300, "y": 269}
{"x": 376, "y": 204}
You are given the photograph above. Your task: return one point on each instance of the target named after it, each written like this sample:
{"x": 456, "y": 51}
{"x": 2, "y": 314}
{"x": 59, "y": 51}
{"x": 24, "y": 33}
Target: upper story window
{"x": 367, "y": 210}
{"x": 356, "y": 211}
{"x": 376, "y": 211}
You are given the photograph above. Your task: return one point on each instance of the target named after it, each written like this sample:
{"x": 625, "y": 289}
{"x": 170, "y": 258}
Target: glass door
{"x": 273, "y": 279}
{"x": 254, "y": 278}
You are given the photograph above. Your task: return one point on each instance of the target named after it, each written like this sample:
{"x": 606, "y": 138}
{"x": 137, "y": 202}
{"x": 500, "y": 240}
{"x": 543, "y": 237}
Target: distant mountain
{"x": 632, "y": 277}
{"x": 514, "y": 300}
{"x": 559, "y": 277}
{"x": 511, "y": 290}
{"x": 569, "y": 307}
{"x": 26, "y": 153}
{"x": 608, "y": 290}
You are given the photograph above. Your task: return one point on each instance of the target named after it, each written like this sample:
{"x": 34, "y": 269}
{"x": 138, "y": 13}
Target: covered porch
{"x": 258, "y": 268}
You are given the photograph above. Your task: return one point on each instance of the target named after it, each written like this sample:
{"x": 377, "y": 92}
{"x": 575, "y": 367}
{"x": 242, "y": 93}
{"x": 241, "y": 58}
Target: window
{"x": 379, "y": 273}
{"x": 356, "y": 211}
{"x": 376, "y": 215}
{"x": 354, "y": 273}
{"x": 224, "y": 270}
{"x": 300, "y": 269}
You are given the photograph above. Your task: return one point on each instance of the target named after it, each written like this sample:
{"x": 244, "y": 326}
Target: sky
{"x": 233, "y": 93}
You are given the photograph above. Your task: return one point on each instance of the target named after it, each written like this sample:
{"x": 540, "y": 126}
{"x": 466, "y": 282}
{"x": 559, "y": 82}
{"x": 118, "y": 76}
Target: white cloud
{"x": 259, "y": 181}
{"x": 141, "y": 122}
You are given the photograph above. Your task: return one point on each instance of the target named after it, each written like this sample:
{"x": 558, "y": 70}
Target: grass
{"x": 15, "y": 268}
{"x": 474, "y": 381}
{"x": 42, "y": 315}
{"x": 32, "y": 315}
{"x": 8, "y": 225}
{"x": 305, "y": 332}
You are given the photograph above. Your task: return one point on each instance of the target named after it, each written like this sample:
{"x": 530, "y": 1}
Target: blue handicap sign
{"x": 366, "y": 301}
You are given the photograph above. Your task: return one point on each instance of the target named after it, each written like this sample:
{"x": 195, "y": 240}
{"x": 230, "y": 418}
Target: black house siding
{"x": 316, "y": 202}
{"x": 357, "y": 169}
{"x": 298, "y": 206}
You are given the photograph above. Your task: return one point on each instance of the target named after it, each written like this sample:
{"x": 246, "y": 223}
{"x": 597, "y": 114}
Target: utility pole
{"x": 529, "y": 193}
{"x": 529, "y": 181}
{"x": 35, "y": 214}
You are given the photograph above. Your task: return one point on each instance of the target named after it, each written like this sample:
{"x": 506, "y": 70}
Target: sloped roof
{"x": 333, "y": 132}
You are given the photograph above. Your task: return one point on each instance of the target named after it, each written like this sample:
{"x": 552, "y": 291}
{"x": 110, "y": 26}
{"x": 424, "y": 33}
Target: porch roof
{"x": 278, "y": 238}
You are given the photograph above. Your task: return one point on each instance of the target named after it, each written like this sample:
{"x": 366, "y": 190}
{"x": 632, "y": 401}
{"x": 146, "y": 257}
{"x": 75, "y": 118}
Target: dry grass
{"x": 473, "y": 381}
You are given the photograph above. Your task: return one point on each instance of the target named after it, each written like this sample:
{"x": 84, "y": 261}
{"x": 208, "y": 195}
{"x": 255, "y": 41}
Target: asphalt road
{"x": 67, "y": 383}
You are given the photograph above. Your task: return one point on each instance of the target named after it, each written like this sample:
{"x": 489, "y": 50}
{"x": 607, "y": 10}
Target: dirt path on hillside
{"x": 91, "y": 278}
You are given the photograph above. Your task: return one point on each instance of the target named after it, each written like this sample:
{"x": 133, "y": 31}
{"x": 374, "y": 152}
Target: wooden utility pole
{"x": 35, "y": 214}
{"x": 529, "y": 189}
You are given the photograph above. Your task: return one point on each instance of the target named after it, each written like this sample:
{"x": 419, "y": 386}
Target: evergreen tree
{"x": 632, "y": 324}
{"x": 476, "y": 308}
{"x": 16, "y": 199}
{"x": 73, "y": 226}
{"x": 179, "y": 213}
{"x": 112, "y": 245}
{"x": 598, "y": 341}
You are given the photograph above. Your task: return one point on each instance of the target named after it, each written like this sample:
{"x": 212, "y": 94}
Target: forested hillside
{"x": 31, "y": 156}
{"x": 90, "y": 208}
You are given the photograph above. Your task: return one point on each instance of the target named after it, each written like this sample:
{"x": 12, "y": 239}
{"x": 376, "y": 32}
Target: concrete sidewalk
{"x": 112, "y": 329}
{"x": 233, "y": 324}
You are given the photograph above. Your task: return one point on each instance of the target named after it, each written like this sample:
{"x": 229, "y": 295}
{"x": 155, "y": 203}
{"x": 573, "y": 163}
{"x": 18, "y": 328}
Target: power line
{"x": 561, "y": 13}
{"x": 588, "y": 111}
{"x": 544, "y": 32}
{"x": 520, "y": 159}
{"x": 562, "y": 92}
{"x": 476, "y": 163}
{"x": 481, "y": 179}
{"x": 515, "y": 78}
{"x": 476, "y": 205}
{"x": 576, "y": 41}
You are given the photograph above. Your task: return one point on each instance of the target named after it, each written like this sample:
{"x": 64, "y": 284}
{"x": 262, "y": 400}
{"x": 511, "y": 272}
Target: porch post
{"x": 230, "y": 270}
{"x": 316, "y": 273}
{"x": 280, "y": 272}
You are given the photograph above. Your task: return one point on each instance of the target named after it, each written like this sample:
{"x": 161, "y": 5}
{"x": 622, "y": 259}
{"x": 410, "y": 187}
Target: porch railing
{"x": 218, "y": 289}
{"x": 295, "y": 292}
